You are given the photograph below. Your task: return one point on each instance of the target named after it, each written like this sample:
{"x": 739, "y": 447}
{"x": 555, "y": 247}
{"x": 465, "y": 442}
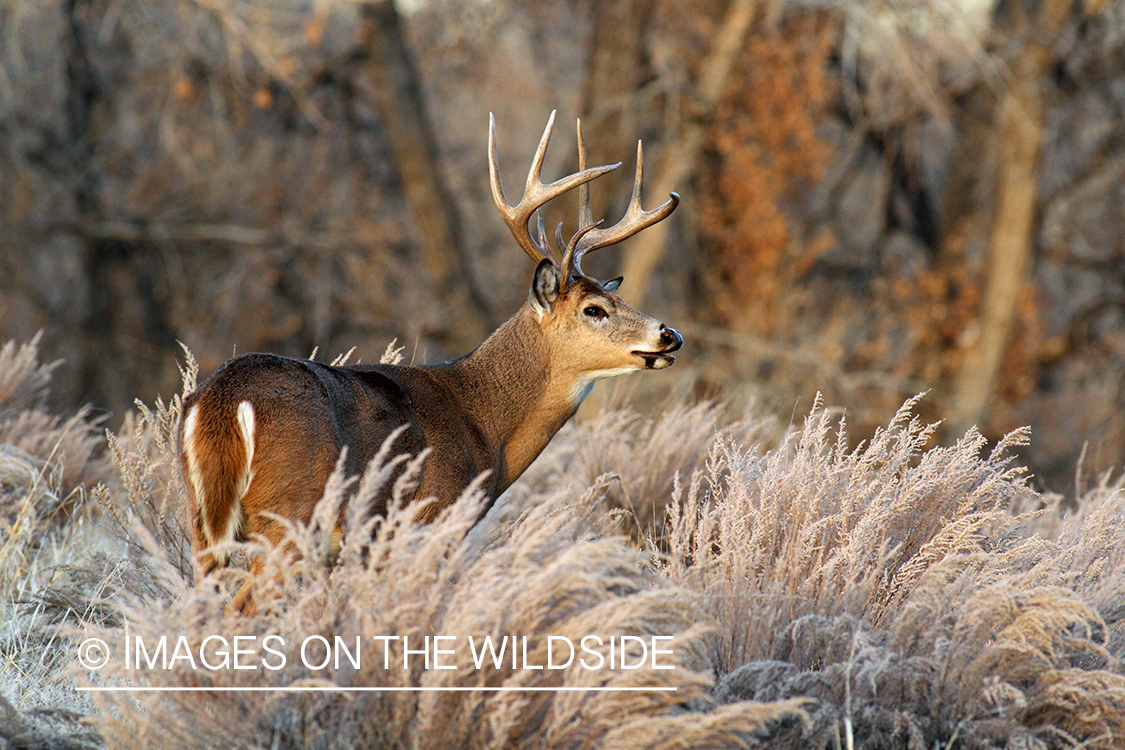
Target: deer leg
{"x": 243, "y": 602}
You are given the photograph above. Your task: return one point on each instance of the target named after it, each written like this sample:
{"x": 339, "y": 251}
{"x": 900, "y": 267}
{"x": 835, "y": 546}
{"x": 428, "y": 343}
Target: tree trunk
{"x": 464, "y": 318}
{"x": 1020, "y": 130}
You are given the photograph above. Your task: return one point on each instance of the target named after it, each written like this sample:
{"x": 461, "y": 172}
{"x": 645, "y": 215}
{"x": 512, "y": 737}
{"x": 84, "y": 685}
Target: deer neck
{"x": 511, "y": 391}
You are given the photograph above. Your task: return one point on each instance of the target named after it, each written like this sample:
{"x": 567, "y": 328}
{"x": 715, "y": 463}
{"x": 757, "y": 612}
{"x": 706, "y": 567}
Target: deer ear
{"x": 545, "y": 287}
{"x": 611, "y": 285}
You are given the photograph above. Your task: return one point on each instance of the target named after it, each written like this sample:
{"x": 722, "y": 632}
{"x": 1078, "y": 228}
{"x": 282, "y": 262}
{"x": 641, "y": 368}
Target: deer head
{"x": 607, "y": 336}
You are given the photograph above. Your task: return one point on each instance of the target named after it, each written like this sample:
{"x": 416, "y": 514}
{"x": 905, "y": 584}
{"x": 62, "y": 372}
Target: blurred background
{"x": 881, "y": 197}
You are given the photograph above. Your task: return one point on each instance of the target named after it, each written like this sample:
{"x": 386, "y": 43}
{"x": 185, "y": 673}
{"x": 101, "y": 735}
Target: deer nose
{"x": 670, "y": 339}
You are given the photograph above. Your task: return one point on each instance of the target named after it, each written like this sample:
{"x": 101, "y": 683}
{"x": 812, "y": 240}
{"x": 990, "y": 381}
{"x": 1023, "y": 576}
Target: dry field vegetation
{"x": 889, "y": 595}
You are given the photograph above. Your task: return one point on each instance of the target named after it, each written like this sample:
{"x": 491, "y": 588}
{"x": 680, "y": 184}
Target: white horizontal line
{"x": 338, "y": 689}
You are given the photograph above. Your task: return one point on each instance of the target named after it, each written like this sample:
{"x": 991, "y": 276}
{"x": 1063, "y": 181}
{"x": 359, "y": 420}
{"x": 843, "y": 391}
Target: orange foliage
{"x": 939, "y": 308}
{"x": 763, "y": 149}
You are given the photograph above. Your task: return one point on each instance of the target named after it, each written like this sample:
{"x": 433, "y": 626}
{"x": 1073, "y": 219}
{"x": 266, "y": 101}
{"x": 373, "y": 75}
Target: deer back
{"x": 263, "y": 433}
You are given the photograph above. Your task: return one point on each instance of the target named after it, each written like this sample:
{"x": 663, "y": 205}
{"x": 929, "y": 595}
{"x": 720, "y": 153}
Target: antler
{"x": 590, "y": 237}
{"x": 535, "y": 193}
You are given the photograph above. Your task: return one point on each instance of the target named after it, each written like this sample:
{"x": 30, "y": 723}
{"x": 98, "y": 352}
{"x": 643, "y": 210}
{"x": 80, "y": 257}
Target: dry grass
{"x": 892, "y": 583}
{"x": 555, "y": 574}
{"x": 33, "y": 439}
{"x": 636, "y": 458}
{"x": 892, "y": 594}
{"x": 45, "y": 463}
{"x": 817, "y": 528}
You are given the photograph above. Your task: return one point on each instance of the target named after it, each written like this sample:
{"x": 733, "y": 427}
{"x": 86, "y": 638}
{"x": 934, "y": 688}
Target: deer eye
{"x": 595, "y": 312}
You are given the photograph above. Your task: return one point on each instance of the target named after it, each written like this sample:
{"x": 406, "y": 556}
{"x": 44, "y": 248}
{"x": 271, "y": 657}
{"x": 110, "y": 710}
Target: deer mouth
{"x": 656, "y": 360}
{"x": 672, "y": 342}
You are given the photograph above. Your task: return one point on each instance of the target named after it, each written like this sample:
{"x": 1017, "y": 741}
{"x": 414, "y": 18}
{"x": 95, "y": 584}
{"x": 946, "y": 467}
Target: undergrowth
{"x": 820, "y": 595}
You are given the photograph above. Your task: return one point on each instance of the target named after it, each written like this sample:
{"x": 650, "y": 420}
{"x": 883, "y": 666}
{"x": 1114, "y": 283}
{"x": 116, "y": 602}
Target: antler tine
{"x": 543, "y": 243}
{"x": 585, "y": 215}
{"x": 635, "y": 220}
{"x": 510, "y": 214}
{"x": 575, "y": 240}
{"x": 535, "y": 193}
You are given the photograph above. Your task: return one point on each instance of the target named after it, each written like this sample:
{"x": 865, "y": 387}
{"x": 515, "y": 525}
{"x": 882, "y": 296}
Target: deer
{"x": 260, "y": 437}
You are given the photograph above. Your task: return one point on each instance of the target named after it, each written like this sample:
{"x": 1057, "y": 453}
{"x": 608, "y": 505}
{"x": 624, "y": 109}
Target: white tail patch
{"x": 245, "y": 420}
{"x": 195, "y": 475}
{"x": 246, "y": 426}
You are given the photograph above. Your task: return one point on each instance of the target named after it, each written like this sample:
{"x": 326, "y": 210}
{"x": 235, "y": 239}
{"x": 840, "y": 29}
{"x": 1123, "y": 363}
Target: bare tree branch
{"x": 144, "y": 231}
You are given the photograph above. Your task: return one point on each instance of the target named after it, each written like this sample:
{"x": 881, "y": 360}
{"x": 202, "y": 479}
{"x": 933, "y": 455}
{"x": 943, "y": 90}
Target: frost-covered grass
{"x": 892, "y": 594}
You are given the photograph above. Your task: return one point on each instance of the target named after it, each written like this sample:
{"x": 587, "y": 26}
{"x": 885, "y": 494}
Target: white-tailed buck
{"x": 264, "y": 432}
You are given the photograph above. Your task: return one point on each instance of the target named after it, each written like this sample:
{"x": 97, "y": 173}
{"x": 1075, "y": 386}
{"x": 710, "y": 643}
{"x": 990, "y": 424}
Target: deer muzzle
{"x": 670, "y": 341}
